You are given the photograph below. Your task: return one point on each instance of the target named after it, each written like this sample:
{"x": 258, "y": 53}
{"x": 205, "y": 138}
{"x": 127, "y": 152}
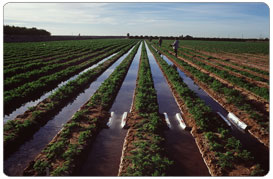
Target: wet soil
{"x": 254, "y": 129}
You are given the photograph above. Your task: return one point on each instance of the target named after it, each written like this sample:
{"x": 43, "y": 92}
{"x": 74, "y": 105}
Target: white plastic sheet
{"x": 110, "y": 119}
{"x": 123, "y": 120}
{"x": 237, "y": 121}
{"x": 167, "y": 120}
{"x": 181, "y": 121}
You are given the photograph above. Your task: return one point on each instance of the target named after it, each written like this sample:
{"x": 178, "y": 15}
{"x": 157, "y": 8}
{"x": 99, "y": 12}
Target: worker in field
{"x": 160, "y": 41}
{"x": 175, "y": 46}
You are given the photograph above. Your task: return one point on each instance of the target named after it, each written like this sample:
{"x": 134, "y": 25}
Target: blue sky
{"x": 250, "y": 20}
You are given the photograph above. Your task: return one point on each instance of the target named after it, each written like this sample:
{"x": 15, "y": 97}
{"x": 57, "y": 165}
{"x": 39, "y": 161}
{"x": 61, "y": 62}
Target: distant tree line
{"x": 188, "y": 37}
{"x": 13, "y": 30}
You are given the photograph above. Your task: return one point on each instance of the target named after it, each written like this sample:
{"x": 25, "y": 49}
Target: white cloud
{"x": 63, "y": 13}
{"x": 150, "y": 19}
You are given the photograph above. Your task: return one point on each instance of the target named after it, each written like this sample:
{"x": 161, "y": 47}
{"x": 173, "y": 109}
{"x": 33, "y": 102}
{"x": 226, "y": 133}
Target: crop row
{"x": 232, "y": 97}
{"x": 223, "y": 63}
{"x": 48, "y": 49}
{"x": 236, "y": 73}
{"x": 14, "y": 51}
{"x": 200, "y": 53}
{"x": 233, "y": 57}
{"x": 232, "y": 47}
{"x": 38, "y": 64}
{"x": 228, "y": 151}
{"x": 43, "y": 52}
{"x": 144, "y": 156}
{"x": 32, "y": 75}
{"x": 232, "y": 62}
{"x": 52, "y": 54}
{"x": 79, "y": 49}
{"x": 35, "y": 117}
{"x": 75, "y": 47}
{"x": 63, "y": 155}
{"x": 32, "y": 90}
{"x": 259, "y": 91}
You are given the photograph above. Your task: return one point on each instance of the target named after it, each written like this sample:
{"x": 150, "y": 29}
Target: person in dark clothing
{"x": 175, "y": 46}
{"x": 160, "y": 41}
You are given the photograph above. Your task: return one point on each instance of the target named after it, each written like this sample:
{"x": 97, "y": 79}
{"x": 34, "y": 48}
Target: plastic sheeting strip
{"x": 123, "y": 120}
{"x": 237, "y": 121}
{"x": 181, "y": 121}
{"x": 167, "y": 120}
{"x": 110, "y": 119}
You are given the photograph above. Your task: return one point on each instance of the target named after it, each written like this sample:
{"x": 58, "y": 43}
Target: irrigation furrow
{"x": 34, "y": 75}
{"x": 180, "y": 145}
{"x": 34, "y": 118}
{"x": 258, "y": 93}
{"x": 239, "y": 62}
{"x": 246, "y": 92}
{"x": 22, "y": 109}
{"x": 229, "y": 66}
{"x": 143, "y": 152}
{"x": 12, "y": 71}
{"x": 33, "y": 90}
{"x": 79, "y": 132}
{"x": 106, "y": 148}
{"x": 246, "y": 112}
{"x": 48, "y": 57}
{"x": 231, "y": 56}
{"x": 247, "y": 79}
{"x": 67, "y": 46}
{"x": 204, "y": 128}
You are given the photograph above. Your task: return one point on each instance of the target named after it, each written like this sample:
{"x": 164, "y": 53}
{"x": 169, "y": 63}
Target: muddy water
{"x": 15, "y": 164}
{"x": 259, "y": 151}
{"x": 180, "y": 144}
{"x": 107, "y": 147}
{"x": 25, "y": 106}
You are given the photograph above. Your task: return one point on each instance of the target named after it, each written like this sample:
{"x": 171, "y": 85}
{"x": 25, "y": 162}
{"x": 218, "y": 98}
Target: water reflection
{"x": 15, "y": 164}
{"x": 259, "y": 151}
{"x": 180, "y": 145}
{"x": 107, "y": 147}
{"x": 25, "y": 106}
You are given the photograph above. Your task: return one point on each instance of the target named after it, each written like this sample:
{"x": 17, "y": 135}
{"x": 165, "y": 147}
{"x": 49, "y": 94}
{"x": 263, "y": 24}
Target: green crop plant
{"x": 228, "y": 150}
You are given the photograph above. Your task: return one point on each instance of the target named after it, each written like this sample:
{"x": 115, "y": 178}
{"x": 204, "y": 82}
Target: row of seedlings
{"x": 17, "y": 131}
{"x": 255, "y": 116}
{"x": 247, "y": 60}
{"x": 60, "y": 58}
{"x": 226, "y": 64}
{"x": 224, "y": 154}
{"x": 250, "y": 78}
{"x": 238, "y": 48}
{"x": 143, "y": 150}
{"x": 66, "y": 152}
{"x": 35, "y": 49}
{"x": 32, "y": 90}
{"x": 261, "y": 93}
{"x": 48, "y": 50}
{"x": 31, "y": 75}
{"x": 226, "y": 61}
{"x": 260, "y": 102}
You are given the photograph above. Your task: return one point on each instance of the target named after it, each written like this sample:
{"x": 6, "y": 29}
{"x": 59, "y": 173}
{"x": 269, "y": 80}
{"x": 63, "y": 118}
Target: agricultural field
{"x": 129, "y": 107}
